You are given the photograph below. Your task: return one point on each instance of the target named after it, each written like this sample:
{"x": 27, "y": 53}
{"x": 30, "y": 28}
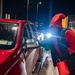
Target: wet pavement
{"x": 48, "y": 68}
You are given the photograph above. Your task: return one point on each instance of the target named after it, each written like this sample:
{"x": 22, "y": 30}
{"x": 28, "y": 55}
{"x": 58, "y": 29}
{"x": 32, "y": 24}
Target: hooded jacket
{"x": 69, "y": 36}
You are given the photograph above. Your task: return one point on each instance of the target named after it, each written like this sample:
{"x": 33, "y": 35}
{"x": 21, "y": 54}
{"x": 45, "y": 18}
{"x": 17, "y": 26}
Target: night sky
{"x": 48, "y": 8}
{"x": 65, "y": 6}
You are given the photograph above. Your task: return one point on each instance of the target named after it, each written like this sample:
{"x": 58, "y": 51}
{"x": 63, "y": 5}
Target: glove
{"x": 45, "y": 44}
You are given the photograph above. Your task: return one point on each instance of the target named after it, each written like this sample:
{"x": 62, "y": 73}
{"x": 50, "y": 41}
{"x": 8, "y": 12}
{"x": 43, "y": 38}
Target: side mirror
{"x": 32, "y": 43}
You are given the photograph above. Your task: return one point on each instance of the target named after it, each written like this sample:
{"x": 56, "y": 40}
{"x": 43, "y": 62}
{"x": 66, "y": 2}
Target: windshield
{"x": 8, "y": 35}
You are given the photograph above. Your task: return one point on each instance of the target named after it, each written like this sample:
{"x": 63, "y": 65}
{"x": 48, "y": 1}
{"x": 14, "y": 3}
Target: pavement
{"x": 48, "y": 68}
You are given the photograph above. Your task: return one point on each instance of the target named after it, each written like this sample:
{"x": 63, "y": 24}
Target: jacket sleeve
{"x": 70, "y": 37}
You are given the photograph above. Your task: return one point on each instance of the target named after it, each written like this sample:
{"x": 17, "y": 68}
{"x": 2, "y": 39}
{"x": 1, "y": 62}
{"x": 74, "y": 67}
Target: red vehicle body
{"x": 13, "y": 60}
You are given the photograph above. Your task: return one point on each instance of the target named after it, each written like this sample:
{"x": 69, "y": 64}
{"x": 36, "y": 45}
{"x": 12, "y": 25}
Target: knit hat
{"x": 56, "y": 20}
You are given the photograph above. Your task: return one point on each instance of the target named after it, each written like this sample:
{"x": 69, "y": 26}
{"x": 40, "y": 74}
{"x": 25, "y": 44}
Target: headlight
{"x": 48, "y": 35}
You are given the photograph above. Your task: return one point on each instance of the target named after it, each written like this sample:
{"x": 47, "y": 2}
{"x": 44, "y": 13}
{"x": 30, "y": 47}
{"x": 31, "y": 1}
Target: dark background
{"x": 18, "y": 9}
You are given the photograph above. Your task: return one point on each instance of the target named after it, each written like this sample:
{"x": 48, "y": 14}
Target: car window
{"x": 25, "y": 32}
{"x": 30, "y": 31}
{"x": 34, "y": 31}
{"x": 8, "y": 35}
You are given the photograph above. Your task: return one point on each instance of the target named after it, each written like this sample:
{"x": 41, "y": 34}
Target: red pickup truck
{"x": 19, "y": 47}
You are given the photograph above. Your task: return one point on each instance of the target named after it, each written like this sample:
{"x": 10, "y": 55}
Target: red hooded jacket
{"x": 69, "y": 35}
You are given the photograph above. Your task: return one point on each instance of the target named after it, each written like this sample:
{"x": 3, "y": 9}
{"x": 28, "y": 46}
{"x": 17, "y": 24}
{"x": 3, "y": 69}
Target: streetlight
{"x": 37, "y": 10}
{"x": 27, "y": 10}
{"x": 1, "y": 8}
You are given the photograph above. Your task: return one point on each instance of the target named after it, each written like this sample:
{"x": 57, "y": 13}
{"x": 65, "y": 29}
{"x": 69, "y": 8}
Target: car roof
{"x": 13, "y": 20}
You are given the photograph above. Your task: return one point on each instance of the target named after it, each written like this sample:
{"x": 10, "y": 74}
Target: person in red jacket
{"x": 63, "y": 40}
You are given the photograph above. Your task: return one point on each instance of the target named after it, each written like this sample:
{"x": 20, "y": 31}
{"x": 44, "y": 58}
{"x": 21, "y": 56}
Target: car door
{"x": 31, "y": 55}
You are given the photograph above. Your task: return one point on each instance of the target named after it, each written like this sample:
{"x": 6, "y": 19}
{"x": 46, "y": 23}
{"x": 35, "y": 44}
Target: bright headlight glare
{"x": 48, "y": 35}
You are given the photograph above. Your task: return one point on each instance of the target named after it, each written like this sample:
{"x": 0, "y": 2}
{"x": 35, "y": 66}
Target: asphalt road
{"x": 48, "y": 68}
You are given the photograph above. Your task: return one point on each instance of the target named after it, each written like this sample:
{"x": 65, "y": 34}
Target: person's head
{"x": 55, "y": 23}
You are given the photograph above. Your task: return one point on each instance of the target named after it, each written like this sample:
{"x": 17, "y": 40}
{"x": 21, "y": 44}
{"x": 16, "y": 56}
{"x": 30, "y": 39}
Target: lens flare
{"x": 48, "y": 35}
